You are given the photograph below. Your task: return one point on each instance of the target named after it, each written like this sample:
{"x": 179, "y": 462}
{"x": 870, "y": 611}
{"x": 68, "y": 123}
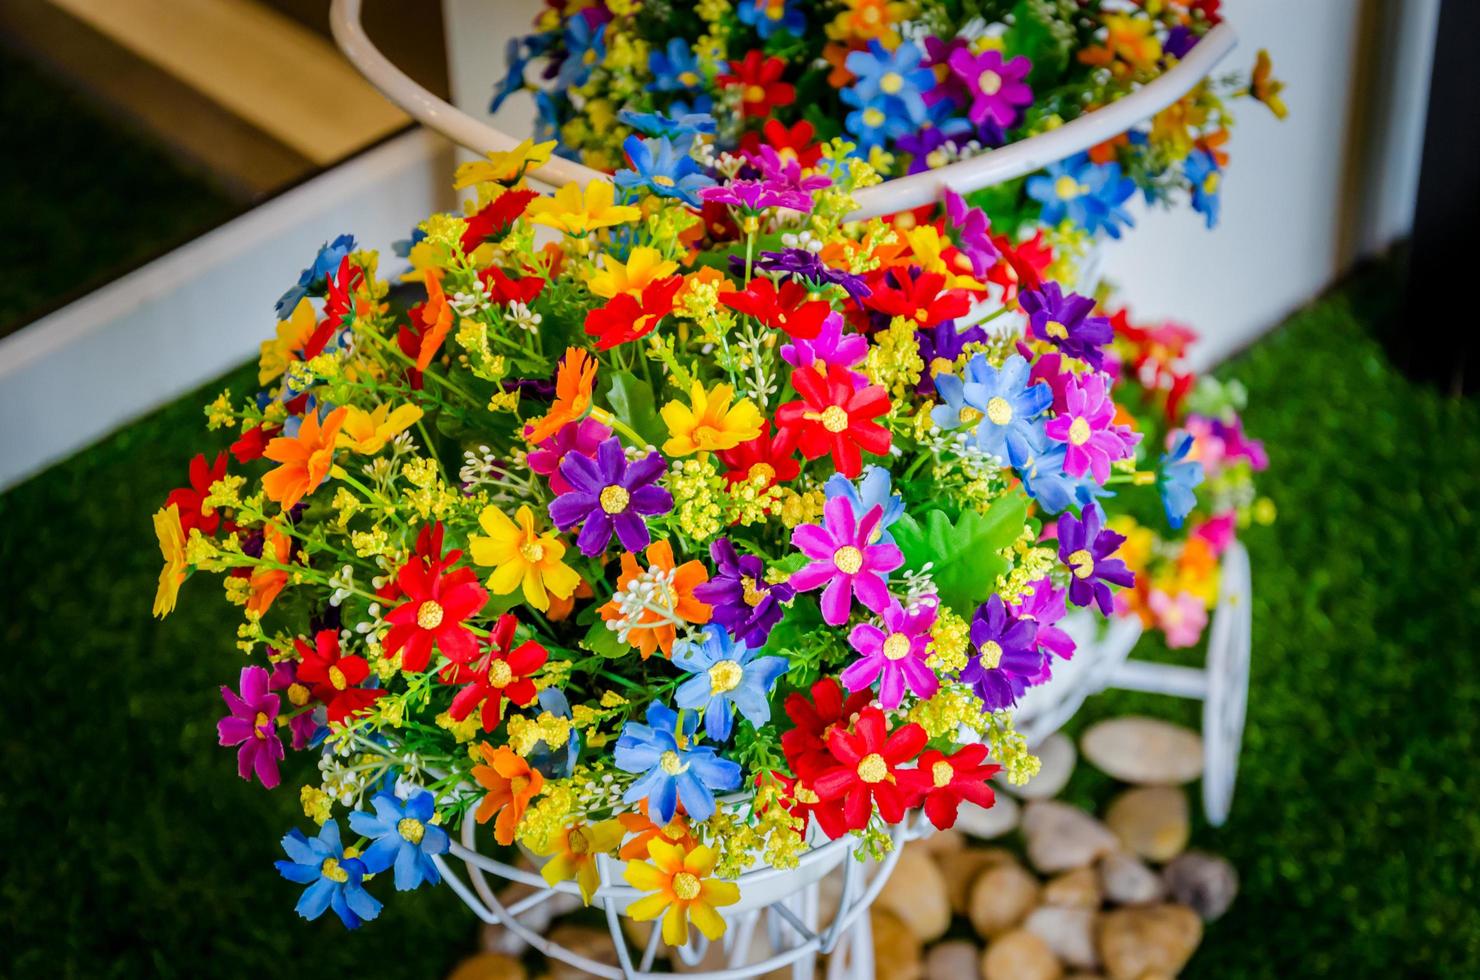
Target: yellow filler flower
{"x": 682, "y": 890}
{"x": 709, "y": 422}
{"x": 520, "y": 555}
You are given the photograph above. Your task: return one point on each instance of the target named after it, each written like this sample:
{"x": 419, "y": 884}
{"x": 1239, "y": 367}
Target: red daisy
{"x": 491, "y": 221}
{"x": 437, "y": 603}
{"x": 254, "y": 442}
{"x": 918, "y": 296}
{"x": 785, "y": 309}
{"x": 1022, "y": 264}
{"x": 943, "y": 781}
{"x": 504, "y": 290}
{"x": 834, "y": 417}
{"x": 623, "y": 318}
{"x": 813, "y": 719}
{"x": 761, "y": 88}
{"x": 867, "y": 772}
{"x": 766, "y": 455}
{"x": 191, "y": 500}
{"x": 338, "y": 305}
{"x": 796, "y": 142}
{"x": 498, "y": 674}
{"x": 334, "y": 678}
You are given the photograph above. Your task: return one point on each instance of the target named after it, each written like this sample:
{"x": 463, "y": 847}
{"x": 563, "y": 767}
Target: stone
{"x": 1020, "y": 955}
{"x": 940, "y": 843}
{"x": 488, "y": 966}
{"x": 1056, "y": 757}
{"x": 960, "y": 872}
{"x": 916, "y": 893}
{"x": 1000, "y": 898}
{"x": 897, "y": 952}
{"x": 1151, "y": 821}
{"x": 1144, "y": 751}
{"x": 987, "y": 823}
{"x": 594, "y": 944}
{"x": 1061, "y": 837}
{"x": 955, "y": 960}
{"x": 1069, "y": 933}
{"x": 1204, "y": 882}
{"x": 1153, "y": 939}
{"x": 1077, "y": 889}
{"x": 1126, "y": 880}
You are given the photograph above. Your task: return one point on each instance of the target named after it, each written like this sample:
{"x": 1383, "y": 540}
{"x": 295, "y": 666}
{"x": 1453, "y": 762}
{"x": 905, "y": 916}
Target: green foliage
{"x": 963, "y": 554}
{"x": 631, "y": 400}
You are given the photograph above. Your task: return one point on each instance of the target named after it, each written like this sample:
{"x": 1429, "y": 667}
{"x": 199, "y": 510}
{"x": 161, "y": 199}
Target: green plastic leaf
{"x": 602, "y": 641}
{"x": 963, "y": 554}
{"x": 631, "y": 400}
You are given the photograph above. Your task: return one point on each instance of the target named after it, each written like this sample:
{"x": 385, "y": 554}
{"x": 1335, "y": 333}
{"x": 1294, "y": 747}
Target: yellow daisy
{"x": 709, "y": 422}
{"x": 682, "y": 890}
{"x": 368, "y": 432}
{"x": 643, "y": 265}
{"x": 522, "y": 556}
{"x": 576, "y": 213}
{"x": 572, "y": 852}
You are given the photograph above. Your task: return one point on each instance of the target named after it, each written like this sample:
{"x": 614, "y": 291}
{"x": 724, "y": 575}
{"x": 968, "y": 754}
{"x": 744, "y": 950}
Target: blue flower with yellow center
{"x": 888, "y": 94}
{"x": 674, "y": 68}
{"x": 1089, "y": 194}
{"x": 672, "y": 768}
{"x": 1206, "y": 179}
{"x": 658, "y": 166}
{"x": 998, "y": 403}
{"x": 404, "y": 838}
{"x": 727, "y": 676}
{"x": 335, "y": 879}
{"x": 770, "y": 16}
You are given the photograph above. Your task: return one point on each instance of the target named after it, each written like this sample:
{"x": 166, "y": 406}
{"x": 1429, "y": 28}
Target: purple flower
{"x": 252, "y": 724}
{"x": 755, "y": 196}
{"x": 940, "y": 346}
{"x": 973, "y": 233}
{"x": 921, "y": 144}
{"x": 583, "y": 437}
{"x": 744, "y": 603}
{"x": 1044, "y": 608}
{"x": 844, "y": 561}
{"x": 1008, "y": 660}
{"x": 802, "y": 264}
{"x": 1087, "y": 427}
{"x": 895, "y": 655}
{"x": 1180, "y": 40}
{"x": 1086, "y": 546}
{"x": 1064, "y": 320}
{"x": 609, "y": 493}
{"x": 284, "y": 677}
{"x": 949, "y": 88}
{"x": 832, "y": 345}
{"x": 997, "y": 87}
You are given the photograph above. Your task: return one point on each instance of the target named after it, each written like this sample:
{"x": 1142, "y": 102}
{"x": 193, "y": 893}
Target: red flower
{"x": 254, "y": 442}
{"x": 796, "y": 143}
{"x": 504, "y": 290}
{"x": 943, "y": 781}
{"x": 495, "y": 218}
{"x": 192, "y": 499}
{"x": 918, "y": 296}
{"x": 338, "y": 304}
{"x": 334, "y": 678}
{"x": 813, "y": 719}
{"x": 801, "y": 801}
{"x": 500, "y": 673}
{"x": 437, "y": 603}
{"x": 833, "y": 417}
{"x": 624, "y": 319}
{"x": 786, "y": 309}
{"x": 867, "y": 772}
{"x": 761, "y": 86}
{"x": 767, "y": 455}
{"x": 1021, "y": 266}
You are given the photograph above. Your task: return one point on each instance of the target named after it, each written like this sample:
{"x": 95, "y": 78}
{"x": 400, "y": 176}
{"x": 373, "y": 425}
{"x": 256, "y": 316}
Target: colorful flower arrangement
{"x": 690, "y": 540}
{"x": 914, "y": 84}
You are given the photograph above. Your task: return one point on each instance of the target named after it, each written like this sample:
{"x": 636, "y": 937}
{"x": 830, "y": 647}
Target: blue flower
{"x": 517, "y": 60}
{"x": 1086, "y": 193}
{"x": 874, "y": 490}
{"x": 889, "y": 94}
{"x": 727, "y": 676}
{"x": 314, "y": 279}
{"x": 555, "y": 762}
{"x": 405, "y": 838}
{"x": 1046, "y": 482}
{"x": 672, "y": 769}
{"x": 663, "y": 170}
{"x": 1206, "y": 179}
{"x": 700, "y": 105}
{"x": 680, "y": 127}
{"x": 675, "y": 68}
{"x": 585, "y": 47}
{"x": 1175, "y": 478}
{"x": 770, "y": 16}
{"x": 333, "y": 880}
{"x": 998, "y": 401}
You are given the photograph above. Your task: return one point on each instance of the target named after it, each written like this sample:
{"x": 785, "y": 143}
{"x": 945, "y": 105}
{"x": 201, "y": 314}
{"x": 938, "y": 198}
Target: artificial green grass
{"x": 132, "y": 849}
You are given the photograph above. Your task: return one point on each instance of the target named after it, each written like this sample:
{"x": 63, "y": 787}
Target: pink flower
{"x": 1218, "y": 532}
{"x": 895, "y": 655}
{"x": 582, "y": 438}
{"x": 1182, "y": 619}
{"x": 252, "y": 724}
{"x": 844, "y": 561}
{"x": 1087, "y": 425}
{"x": 997, "y": 87}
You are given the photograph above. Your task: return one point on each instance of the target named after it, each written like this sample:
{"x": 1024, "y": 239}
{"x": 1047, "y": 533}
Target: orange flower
{"x": 573, "y": 383}
{"x": 266, "y": 583}
{"x": 436, "y": 319}
{"x": 305, "y": 458}
{"x": 560, "y": 609}
{"x": 648, "y": 629}
{"x": 511, "y": 784}
{"x": 675, "y": 832}
{"x": 1212, "y": 144}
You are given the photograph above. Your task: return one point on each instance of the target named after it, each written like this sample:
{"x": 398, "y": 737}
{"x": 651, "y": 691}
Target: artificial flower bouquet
{"x": 915, "y": 84}
{"x": 683, "y": 541}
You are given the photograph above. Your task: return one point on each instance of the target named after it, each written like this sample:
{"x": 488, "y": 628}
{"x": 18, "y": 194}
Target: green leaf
{"x": 964, "y": 554}
{"x": 631, "y": 400}
{"x": 602, "y": 641}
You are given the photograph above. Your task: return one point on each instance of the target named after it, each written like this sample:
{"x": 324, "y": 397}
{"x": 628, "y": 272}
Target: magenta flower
{"x": 785, "y": 172}
{"x": 832, "y": 345}
{"x": 997, "y": 87}
{"x": 1044, "y": 608}
{"x": 844, "y": 561}
{"x": 755, "y": 196}
{"x": 1049, "y": 368}
{"x": 895, "y": 655}
{"x": 583, "y": 437}
{"x": 1181, "y": 619}
{"x": 1087, "y": 426}
{"x": 252, "y": 724}
{"x": 972, "y": 232}
{"x": 284, "y": 677}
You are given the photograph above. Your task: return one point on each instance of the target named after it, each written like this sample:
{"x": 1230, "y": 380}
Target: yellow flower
{"x": 576, "y": 214}
{"x": 709, "y": 423}
{"x": 172, "y": 548}
{"x": 682, "y": 890}
{"x": 292, "y": 334}
{"x": 368, "y": 432}
{"x": 506, "y": 167}
{"x": 642, "y": 267}
{"x": 572, "y": 852}
{"x": 929, "y": 252}
{"x": 522, "y": 556}
{"x": 1264, "y": 87}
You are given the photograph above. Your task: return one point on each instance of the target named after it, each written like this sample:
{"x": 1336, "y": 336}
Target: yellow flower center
{"x": 941, "y": 365}
{"x": 897, "y": 646}
{"x": 941, "y": 774}
{"x": 755, "y": 93}
{"x": 671, "y": 763}
{"x": 532, "y": 552}
{"x": 614, "y": 499}
{"x": 999, "y": 410}
{"x": 500, "y": 673}
{"x": 576, "y": 842}
{"x": 891, "y": 83}
{"x": 724, "y": 676}
{"x": 873, "y": 118}
{"x": 872, "y": 768}
{"x": 750, "y": 591}
{"x": 337, "y": 678}
{"x": 761, "y": 472}
{"x": 688, "y": 78}
{"x": 298, "y": 694}
{"x": 429, "y": 615}
{"x": 835, "y": 418}
{"x": 805, "y": 795}
{"x": 1083, "y": 563}
{"x": 1066, "y": 187}
{"x": 411, "y": 830}
{"x": 1079, "y": 432}
{"x": 968, "y": 415}
{"x": 1055, "y": 330}
{"x": 921, "y": 314}
{"x": 991, "y": 654}
{"x": 989, "y": 82}
{"x": 848, "y": 559}
{"x": 259, "y": 723}
{"x": 1210, "y": 182}
{"x": 663, "y": 180}
{"x": 330, "y": 869}
{"x": 685, "y": 886}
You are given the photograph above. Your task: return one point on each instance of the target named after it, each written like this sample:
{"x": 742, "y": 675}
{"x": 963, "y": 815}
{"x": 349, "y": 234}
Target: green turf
{"x": 131, "y": 848}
